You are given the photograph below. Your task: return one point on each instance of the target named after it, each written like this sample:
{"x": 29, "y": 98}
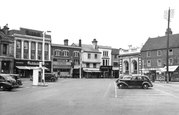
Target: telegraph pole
{"x": 168, "y": 16}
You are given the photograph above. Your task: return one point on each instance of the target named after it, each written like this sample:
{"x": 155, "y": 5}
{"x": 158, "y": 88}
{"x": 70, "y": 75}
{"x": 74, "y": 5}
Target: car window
{"x": 139, "y": 78}
{"x": 134, "y": 78}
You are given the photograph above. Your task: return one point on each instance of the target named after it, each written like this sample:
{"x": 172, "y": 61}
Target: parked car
{"x": 4, "y": 85}
{"x": 17, "y": 78}
{"x": 134, "y": 81}
{"x": 10, "y": 79}
{"x": 122, "y": 76}
{"x": 48, "y": 77}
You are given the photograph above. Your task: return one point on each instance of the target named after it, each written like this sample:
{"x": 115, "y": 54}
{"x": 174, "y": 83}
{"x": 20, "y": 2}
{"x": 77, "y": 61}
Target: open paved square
{"x": 89, "y": 97}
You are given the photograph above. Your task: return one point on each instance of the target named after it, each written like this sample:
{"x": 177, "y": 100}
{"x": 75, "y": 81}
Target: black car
{"x": 10, "y": 79}
{"x": 4, "y": 84}
{"x": 134, "y": 81}
{"x": 17, "y": 78}
{"x": 48, "y": 77}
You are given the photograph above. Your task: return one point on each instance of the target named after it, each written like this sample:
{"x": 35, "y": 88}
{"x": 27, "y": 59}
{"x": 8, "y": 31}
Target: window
{"x": 33, "y": 47}
{"x": 39, "y": 51}
{"x": 96, "y": 56}
{"x": 115, "y": 64}
{"x": 65, "y": 53}
{"x": 170, "y": 61}
{"x": 46, "y": 47}
{"x": 87, "y": 65}
{"x": 89, "y": 56}
{"x": 46, "y": 52}
{"x": 26, "y": 49}
{"x": 159, "y": 62}
{"x": 57, "y": 52}
{"x": 5, "y": 49}
{"x": 94, "y": 65}
{"x": 18, "y": 44}
{"x": 40, "y": 46}
{"x": 148, "y": 63}
{"x": 148, "y": 54}
{"x": 170, "y": 52}
{"x": 159, "y": 53}
{"x": 115, "y": 56}
{"x": 105, "y": 53}
{"x": 76, "y": 54}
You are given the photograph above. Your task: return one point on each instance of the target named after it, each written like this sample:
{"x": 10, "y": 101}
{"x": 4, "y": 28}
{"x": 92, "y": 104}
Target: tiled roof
{"x": 89, "y": 48}
{"x": 104, "y": 47}
{"x": 115, "y": 51}
{"x": 161, "y": 42}
{"x": 62, "y": 45}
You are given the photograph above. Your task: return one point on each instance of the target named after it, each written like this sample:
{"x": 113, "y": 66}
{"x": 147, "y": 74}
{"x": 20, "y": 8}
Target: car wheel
{"x": 120, "y": 86}
{"x": 2, "y": 88}
{"x": 145, "y": 86}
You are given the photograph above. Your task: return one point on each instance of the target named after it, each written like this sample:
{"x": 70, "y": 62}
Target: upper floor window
{"x": 159, "y": 53}
{"x": 115, "y": 64}
{"x": 105, "y": 53}
{"x": 94, "y": 65}
{"x": 57, "y": 52}
{"x": 89, "y": 56}
{"x": 26, "y": 45}
{"x": 76, "y": 54}
{"x": 115, "y": 56}
{"x": 148, "y": 54}
{"x": 18, "y": 44}
{"x": 40, "y": 46}
{"x": 5, "y": 49}
{"x": 170, "y": 52}
{"x": 170, "y": 61}
{"x": 159, "y": 62}
{"x": 46, "y": 47}
{"x": 95, "y": 56}
{"x": 148, "y": 63}
{"x": 65, "y": 53}
{"x": 33, "y": 46}
{"x": 87, "y": 65}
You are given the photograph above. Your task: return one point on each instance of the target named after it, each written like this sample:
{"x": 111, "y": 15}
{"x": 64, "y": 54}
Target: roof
{"x": 104, "y": 47}
{"x": 62, "y": 45}
{"x": 161, "y": 42}
{"x": 115, "y": 51}
{"x": 89, "y": 48}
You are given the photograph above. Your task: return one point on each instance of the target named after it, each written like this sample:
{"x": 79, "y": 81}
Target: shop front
{"x": 106, "y": 71}
{"x": 25, "y": 67}
{"x": 6, "y": 65}
{"x": 91, "y": 73}
{"x": 115, "y": 72}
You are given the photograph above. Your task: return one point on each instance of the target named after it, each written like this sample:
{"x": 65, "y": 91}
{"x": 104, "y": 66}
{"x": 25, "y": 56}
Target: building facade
{"x": 130, "y": 60}
{"x": 106, "y": 66}
{"x": 66, "y": 59}
{"x": 154, "y": 53}
{"x": 6, "y": 51}
{"x": 115, "y": 62}
{"x": 28, "y": 50}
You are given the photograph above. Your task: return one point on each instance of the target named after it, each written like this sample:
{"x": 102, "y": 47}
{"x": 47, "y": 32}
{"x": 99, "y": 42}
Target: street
{"x": 89, "y": 97}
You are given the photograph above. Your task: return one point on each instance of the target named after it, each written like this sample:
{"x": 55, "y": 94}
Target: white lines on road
{"x": 107, "y": 90}
{"x": 115, "y": 90}
{"x": 167, "y": 93}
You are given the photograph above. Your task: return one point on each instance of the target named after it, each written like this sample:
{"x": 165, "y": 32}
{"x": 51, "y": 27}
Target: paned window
{"x": 148, "y": 54}
{"x": 159, "y": 62}
{"x": 148, "y": 63}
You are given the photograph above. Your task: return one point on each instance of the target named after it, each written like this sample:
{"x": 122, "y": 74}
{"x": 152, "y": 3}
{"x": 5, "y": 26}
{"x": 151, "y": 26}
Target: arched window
{"x": 134, "y": 64}
{"x": 126, "y": 67}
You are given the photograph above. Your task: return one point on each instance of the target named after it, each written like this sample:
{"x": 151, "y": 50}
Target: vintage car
{"x": 48, "y": 77}
{"x": 17, "y": 78}
{"x": 134, "y": 81}
{"x": 4, "y": 85}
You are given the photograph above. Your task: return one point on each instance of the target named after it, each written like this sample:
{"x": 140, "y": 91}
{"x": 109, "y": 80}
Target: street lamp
{"x": 43, "y": 56}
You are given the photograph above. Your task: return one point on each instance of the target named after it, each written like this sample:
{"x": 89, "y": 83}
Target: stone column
{"x": 0, "y": 65}
{"x": 15, "y": 48}
{"x": 22, "y": 49}
{"x": 49, "y": 52}
{"x": 36, "y": 50}
{"x": 29, "y": 50}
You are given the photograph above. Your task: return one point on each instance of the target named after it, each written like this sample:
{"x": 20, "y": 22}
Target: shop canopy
{"x": 29, "y": 67}
{"x": 170, "y": 68}
{"x": 92, "y": 71}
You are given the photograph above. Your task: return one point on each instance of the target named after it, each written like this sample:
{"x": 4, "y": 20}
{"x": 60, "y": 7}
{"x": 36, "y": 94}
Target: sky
{"x": 115, "y": 23}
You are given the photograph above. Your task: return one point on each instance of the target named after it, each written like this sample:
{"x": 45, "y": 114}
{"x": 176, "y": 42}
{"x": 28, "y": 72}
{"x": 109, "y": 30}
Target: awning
{"x": 92, "y": 71}
{"x": 29, "y": 68}
{"x": 170, "y": 68}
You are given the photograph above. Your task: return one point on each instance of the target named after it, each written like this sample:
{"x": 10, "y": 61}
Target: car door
{"x": 139, "y": 81}
{"x": 133, "y": 81}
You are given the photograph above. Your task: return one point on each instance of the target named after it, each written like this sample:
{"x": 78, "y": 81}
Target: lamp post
{"x": 167, "y": 16}
{"x": 43, "y": 56}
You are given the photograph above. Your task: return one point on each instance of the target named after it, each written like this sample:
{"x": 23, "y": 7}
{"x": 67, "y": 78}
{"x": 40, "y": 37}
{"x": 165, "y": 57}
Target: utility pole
{"x": 167, "y": 16}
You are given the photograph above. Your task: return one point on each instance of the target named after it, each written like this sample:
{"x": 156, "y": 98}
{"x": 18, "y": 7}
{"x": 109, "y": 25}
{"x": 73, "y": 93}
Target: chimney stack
{"x": 94, "y": 43}
{"x": 5, "y": 29}
{"x": 79, "y": 42}
{"x": 66, "y": 42}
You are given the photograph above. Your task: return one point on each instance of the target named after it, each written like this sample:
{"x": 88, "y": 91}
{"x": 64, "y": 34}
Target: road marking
{"x": 115, "y": 90}
{"x": 107, "y": 90}
{"x": 167, "y": 93}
